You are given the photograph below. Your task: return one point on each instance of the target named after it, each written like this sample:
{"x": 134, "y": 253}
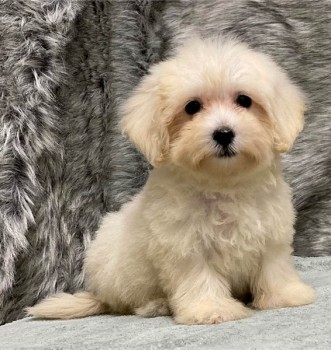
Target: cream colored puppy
{"x": 214, "y": 220}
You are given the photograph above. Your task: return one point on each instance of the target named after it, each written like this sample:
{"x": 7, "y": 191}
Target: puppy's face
{"x": 225, "y": 134}
{"x": 217, "y": 108}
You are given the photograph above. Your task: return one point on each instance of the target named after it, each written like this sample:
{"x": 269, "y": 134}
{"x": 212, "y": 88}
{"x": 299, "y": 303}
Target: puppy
{"x": 215, "y": 219}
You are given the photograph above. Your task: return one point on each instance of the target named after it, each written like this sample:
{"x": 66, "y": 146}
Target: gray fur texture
{"x": 65, "y": 65}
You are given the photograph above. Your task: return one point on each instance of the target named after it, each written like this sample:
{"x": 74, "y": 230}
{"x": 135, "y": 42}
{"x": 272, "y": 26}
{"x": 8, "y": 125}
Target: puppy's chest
{"x": 233, "y": 235}
{"x": 230, "y": 223}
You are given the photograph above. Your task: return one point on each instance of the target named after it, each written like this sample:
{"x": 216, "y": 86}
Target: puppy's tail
{"x": 66, "y": 306}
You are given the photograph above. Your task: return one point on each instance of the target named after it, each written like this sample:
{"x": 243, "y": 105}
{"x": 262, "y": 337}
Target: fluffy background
{"x": 65, "y": 65}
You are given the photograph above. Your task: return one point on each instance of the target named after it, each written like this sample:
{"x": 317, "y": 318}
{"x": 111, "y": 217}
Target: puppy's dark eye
{"x": 244, "y": 101}
{"x": 193, "y": 107}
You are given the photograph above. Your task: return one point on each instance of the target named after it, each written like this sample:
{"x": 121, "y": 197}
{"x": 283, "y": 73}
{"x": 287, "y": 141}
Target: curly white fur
{"x": 205, "y": 230}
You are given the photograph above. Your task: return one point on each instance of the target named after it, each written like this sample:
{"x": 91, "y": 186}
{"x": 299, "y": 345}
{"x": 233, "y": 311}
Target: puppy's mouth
{"x": 226, "y": 152}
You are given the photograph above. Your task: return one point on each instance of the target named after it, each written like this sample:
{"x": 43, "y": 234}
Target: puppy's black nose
{"x": 223, "y": 136}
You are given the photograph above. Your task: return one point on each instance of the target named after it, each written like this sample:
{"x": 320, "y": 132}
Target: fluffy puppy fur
{"x": 215, "y": 219}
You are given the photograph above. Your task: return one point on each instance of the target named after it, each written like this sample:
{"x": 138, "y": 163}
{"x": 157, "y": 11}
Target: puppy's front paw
{"x": 293, "y": 294}
{"x": 212, "y": 312}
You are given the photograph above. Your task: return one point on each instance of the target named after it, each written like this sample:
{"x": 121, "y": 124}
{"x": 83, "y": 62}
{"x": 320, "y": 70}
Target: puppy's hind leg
{"x": 154, "y": 308}
{"x": 278, "y": 284}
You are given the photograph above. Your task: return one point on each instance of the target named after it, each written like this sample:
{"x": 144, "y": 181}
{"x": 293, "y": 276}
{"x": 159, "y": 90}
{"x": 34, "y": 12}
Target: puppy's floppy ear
{"x": 145, "y": 119}
{"x": 287, "y": 109}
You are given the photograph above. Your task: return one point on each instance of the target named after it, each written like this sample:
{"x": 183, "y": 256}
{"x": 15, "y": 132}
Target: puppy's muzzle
{"x": 224, "y": 139}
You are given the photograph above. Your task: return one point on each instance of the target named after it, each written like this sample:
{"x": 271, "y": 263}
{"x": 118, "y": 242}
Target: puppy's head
{"x": 215, "y": 107}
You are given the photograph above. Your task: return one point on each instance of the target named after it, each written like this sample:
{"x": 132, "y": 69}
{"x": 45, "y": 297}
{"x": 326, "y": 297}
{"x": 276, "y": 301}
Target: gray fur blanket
{"x": 297, "y": 328}
{"x": 64, "y": 67}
